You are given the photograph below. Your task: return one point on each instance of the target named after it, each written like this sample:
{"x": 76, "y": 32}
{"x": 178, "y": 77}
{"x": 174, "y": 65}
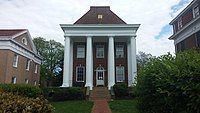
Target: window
{"x": 24, "y": 41}
{"x": 80, "y": 73}
{"x": 26, "y": 81}
{"x": 36, "y": 68}
{"x": 120, "y": 73}
{"x": 28, "y": 64}
{"x": 35, "y": 82}
{"x": 180, "y": 25}
{"x": 119, "y": 51}
{"x": 195, "y": 12}
{"x": 198, "y": 39}
{"x": 14, "y": 80}
{"x": 15, "y": 60}
{"x": 99, "y": 51}
{"x": 100, "y": 16}
{"x": 80, "y": 51}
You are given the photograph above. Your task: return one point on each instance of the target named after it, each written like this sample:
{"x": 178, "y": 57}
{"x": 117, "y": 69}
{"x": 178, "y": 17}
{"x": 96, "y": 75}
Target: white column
{"x": 71, "y": 64}
{"x": 129, "y": 62}
{"x": 111, "y": 63}
{"x": 66, "y": 70}
{"x": 133, "y": 58}
{"x": 89, "y": 63}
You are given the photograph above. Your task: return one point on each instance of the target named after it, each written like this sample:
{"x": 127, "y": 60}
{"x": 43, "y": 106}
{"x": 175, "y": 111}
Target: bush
{"x": 63, "y": 94}
{"x": 22, "y": 89}
{"x": 10, "y": 103}
{"x": 169, "y": 84}
{"x": 121, "y": 90}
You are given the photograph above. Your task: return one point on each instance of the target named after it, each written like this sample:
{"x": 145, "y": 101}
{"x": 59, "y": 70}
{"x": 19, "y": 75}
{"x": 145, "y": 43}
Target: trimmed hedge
{"x": 22, "y": 89}
{"x": 63, "y": 94}
{"x": 170, "y": 84}
{"x": 121, "y": 91}
{"x": 10, "y": 103}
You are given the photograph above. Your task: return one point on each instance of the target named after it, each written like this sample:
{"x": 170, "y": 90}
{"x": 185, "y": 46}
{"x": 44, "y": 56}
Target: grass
{"x": 123, "y": 106}
{"x": 73, "y": 107}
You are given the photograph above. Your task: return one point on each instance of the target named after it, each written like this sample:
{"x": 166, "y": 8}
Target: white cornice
{"x": 13, "y": 46}
{"x": 100, "y": 29}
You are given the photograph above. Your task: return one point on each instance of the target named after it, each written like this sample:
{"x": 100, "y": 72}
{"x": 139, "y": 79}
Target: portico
{"x": 108, "y": 35}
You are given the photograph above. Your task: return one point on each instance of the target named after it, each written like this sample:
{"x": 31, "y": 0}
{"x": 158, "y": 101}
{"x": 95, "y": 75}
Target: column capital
{"x": 111, "y": 36}
{"x": 133, "y": 36}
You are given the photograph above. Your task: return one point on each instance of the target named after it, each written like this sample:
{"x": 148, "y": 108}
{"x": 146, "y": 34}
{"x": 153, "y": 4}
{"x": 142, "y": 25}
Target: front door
{"x": 100, "y": 76}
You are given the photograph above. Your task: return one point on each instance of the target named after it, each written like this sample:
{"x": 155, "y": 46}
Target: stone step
{"x": 99, "y": 93}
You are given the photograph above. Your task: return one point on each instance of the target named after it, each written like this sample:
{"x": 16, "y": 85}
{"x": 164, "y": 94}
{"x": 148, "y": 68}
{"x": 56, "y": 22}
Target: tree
{"x": 52, "y": 53}
{"x": 143, "y": 58}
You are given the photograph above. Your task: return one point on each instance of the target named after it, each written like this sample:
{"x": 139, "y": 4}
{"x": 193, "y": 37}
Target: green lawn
{"x": 73, "y": 107}
{"x": 123, "y": 106}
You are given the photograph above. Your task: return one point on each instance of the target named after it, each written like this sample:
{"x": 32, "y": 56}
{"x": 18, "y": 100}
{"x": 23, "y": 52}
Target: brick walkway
{"x": 101, "y": 106}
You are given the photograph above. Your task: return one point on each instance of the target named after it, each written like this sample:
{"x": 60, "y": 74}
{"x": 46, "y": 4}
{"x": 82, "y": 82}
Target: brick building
{"x": 19, "y": 61}
{"x": 100, "y": 50}
{"x": 186, "y": 27}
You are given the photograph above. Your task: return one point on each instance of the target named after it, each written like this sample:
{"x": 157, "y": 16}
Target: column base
{"x": 89, "y": 85}
{"x": 110, "y": 85}
{"x": 65, "y": 85}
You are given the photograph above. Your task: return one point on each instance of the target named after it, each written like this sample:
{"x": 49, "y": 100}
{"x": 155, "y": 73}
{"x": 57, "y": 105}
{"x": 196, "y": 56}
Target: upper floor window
{"x": 180, "y": 25}
{"x": 80, "y": 51}
{"x": 120, "y": 73}
{"x": 195, "y": 11}
{"x": 28, "y": 64}
{"x": 35, "y": 82}
{"x": 99, "y": 51}
{"x": 100, "y": 16}
{"x": 119, "y": 51}
{"x": 36, "y": 68}
{"x": 14, "y": 80}
{"x": 80, "y": 73}
{"x": 15, "y": 60}
{"x": 24, "y": 41}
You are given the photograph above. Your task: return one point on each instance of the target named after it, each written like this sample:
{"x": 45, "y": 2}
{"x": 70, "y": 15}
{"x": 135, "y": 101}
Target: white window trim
{"x": 36, "y": 68}
{"x": 24, "y": 41}
{"x": 26, "y": 81}
{"x": 77, "y": 73}
{"x": 28, "y": 67}
{"x": 35, "y": 82}
{"x": 14, "y": 81}
{"x": 78, "y": 55}
{"x": 180, "y": 23}
{"x": 123, "y": 73}
{"x": 193, "y": 10}
{"x": 16, "y": 62}
{"x": 98, "y": 46}
{"x": 117, "y": 46}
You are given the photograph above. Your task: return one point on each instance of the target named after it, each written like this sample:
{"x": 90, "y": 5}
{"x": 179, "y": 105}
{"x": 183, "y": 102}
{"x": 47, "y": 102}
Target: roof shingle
{"x": 10, "y": 32}
{"x": 108, "y": 17}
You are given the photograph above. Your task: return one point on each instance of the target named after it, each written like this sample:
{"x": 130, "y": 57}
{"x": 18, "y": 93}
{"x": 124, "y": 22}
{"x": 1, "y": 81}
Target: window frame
{"x": 14, "y": 80}
{"x": 180, "y": 23}
{"x": 78, "y": 55}
{"x": 195, "y": 14}
{"x": 120, "y": 74}
{"x": 26, "y": 81}
{"x": 24, "y": 41}
{"x": 28, "y": 62}
{"x": 116, "y": 51}
{"x": 36, "y": 68}
{"x": 97, "y": 51}
{"x": 15, "y": 60}
{"x": 83, "y": 73}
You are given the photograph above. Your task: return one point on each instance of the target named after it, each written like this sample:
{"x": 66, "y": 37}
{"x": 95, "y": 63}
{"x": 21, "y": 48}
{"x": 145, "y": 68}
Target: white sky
{"x": 42, "y": 18}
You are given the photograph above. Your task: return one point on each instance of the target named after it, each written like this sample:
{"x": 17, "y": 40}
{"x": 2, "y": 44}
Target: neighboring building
{"x": 186, "y": 27}
{"x": 19, "y": 61}
{"x": 100, "y": 50}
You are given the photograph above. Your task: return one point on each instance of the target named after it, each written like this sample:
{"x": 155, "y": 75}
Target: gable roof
{"x": 108, "y": 17}
{"x": 10, "y": 32}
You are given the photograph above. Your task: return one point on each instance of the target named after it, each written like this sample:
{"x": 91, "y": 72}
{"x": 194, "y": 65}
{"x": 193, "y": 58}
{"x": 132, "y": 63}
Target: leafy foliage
{"x": 121, "y": 90}
{"x": 63, "y": 94}
{"x": 10, "y": 103}
{"x": 21, "y": 89}
{"x": 52, "y": 53}
{"x": 170, "y": 84}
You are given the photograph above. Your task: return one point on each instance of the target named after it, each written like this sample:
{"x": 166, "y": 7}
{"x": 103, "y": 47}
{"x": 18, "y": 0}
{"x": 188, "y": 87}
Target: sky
{"x": 42, "y": 18}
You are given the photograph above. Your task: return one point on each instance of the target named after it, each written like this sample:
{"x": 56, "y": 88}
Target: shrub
{"x": 22, "y": 89}
{"x": 170, "y": 84}
{"x": 62, "y": 94}
{"x": 121, "y": 90}
{"x": 10, "y": 103}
